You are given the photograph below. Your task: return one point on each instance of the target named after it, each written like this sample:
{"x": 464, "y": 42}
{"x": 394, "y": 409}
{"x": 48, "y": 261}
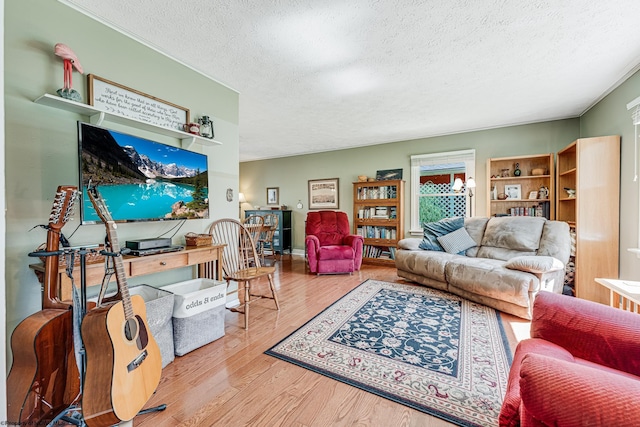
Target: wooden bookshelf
{"x": 536, "y": 172}
{"x": 378, "y": 216}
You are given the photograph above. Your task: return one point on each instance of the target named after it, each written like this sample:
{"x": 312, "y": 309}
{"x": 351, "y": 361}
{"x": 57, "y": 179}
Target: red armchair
{"x": 330, "y": 246}
{"x": 581, "y": 367}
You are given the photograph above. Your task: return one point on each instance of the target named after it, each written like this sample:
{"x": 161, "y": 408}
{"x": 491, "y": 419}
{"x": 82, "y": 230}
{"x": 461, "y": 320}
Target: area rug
{"x": 423, "y": 348}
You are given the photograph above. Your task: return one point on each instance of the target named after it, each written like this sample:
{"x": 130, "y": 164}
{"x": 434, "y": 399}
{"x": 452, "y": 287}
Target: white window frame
{"x": 468, "y": 157}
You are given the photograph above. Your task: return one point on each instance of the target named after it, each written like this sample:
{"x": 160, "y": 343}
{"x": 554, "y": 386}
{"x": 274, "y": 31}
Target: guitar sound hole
{"x": 131, "y": 329}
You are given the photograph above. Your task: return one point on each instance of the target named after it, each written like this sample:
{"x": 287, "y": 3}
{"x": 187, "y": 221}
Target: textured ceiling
{"x": 325, "y": 75}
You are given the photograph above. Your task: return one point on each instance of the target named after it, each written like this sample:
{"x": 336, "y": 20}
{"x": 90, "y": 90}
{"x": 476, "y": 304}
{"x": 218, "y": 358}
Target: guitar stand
{"x": 73, "y": 413}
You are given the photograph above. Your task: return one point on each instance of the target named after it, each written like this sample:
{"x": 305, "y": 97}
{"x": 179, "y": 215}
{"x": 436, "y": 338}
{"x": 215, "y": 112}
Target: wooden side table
{"x": 208, "y": 259}
{"x": 623, "y": 294}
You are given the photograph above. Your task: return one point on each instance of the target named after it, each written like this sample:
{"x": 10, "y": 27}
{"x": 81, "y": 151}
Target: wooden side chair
{"x": 266, "y": 239}
{"x": 255, "y": 226}
{"x": 240, "y": 263}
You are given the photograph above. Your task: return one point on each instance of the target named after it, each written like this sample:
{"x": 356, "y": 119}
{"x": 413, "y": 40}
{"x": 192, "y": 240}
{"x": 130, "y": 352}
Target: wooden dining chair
{"x": 241, "y": 263}
{"x": 255, "y": 225}
{"x": 268, "y": 234}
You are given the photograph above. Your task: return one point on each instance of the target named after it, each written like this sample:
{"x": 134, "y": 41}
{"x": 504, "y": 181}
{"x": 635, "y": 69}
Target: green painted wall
{"x": 41, "y": 142}
{"x": 291, "y": 174}
{"x": 611, "y": 117}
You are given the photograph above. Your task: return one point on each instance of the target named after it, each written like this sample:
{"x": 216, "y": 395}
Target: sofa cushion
{"x": 457, "y": 241}
{"x": 488, "y": 277}
{"x": 430, "y": 264}
{"x": 556, "y": 241}
{"x": 410, "y": 243}
{"x": 433, "y": 230}
{"x": 517, "y": 233}
{"x": 534, "y": 264}
{"x": 507, "y": 237}
{"x": 475, "y": 226}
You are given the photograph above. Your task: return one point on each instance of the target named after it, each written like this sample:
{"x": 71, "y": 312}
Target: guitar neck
{"x": 118, "y": 264}
{"x": 62, "y": 209}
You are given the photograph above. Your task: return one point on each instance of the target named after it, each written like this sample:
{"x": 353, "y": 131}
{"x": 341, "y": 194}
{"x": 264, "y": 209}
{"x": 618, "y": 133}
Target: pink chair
{"x": 330, "y": 247}
{"x": 580, "y": 368}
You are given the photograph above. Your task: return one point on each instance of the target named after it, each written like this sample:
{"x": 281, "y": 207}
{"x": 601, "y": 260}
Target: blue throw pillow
{"x": 433, "y": 230}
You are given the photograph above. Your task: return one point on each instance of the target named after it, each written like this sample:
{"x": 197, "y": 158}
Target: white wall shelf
{"x": 97, "y": 116}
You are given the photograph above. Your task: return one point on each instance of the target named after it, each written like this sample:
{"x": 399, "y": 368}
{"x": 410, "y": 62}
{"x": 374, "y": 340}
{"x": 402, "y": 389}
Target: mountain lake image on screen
{"x": 140, "y": 179}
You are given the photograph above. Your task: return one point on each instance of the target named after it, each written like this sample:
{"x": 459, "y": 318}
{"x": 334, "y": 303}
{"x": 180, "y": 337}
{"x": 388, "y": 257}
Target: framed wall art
{"x": 388, "y": 174}
{"x": 125, "y": 101}
{"x": 273, "y": 195}
{"x": 513, "y": 191}
{"x": 323, "y": 193}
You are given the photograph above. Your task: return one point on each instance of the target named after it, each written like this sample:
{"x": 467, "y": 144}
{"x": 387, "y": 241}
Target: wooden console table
{"x": 623, "y": 294}
{"x": 207, "y": 258}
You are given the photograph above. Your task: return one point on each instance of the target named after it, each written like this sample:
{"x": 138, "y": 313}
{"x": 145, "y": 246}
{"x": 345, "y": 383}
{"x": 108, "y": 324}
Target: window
{"x": 432, "y": 179}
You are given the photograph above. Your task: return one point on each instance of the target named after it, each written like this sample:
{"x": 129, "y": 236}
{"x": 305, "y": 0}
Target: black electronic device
{"x": 154, "y": 251}
{"x": 153, "y": 243}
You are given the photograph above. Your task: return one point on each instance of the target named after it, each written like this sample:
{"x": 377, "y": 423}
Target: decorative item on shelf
{"x": 502, "y": 196}
{"x": 362, "y": 178}
{"x": 533, "y": 195}
{"x": 571, "y": 193}
{"x": 70, "y": 60}
{"x": 505, "y": 173}
{"x": 513, "y": 191}
{"x": 206, "y": 127}
{"x": 543, "y": 193}
{"x": 371, "y": 180}
{"x": 194, "y": 239}
{"x": 192, "y": 128}
{"x": 494, "y": 192}
{"x": 538, "y": 171}
{"x": 517, "y": 171}
{"x": 388, "y": 174}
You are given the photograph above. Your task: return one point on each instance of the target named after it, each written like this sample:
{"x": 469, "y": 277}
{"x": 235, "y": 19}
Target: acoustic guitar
{"x": 44, "y": 379}
{"x": 123, "y": 361}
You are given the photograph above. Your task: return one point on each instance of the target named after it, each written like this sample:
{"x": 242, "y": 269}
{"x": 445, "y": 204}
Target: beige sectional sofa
{"x": 513, "y": 258}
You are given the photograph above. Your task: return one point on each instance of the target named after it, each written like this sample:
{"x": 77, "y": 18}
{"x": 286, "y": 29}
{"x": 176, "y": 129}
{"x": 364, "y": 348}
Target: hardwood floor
{"x": 230, "y": 382}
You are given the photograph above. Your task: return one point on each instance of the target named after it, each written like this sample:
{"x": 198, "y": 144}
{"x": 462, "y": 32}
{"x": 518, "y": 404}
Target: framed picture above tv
{"x": 140, "y": 179}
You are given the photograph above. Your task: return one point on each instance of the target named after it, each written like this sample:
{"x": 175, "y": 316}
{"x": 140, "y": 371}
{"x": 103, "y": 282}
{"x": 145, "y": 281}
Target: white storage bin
{"x": 198, "y": 313}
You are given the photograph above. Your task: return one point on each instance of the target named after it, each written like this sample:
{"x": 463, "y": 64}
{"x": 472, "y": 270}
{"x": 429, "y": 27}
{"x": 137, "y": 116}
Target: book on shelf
{"x": 380, "y": 252}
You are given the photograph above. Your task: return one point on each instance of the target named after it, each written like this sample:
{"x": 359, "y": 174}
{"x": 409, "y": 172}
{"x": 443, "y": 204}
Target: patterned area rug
{"x": 423, "y": 348}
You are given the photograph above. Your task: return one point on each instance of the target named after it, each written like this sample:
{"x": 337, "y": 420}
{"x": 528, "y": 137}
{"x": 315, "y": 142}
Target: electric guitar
{"x": 44, "y": 379}
{"x": 123, "y": 361}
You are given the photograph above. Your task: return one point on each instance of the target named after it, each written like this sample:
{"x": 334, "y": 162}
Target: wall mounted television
{"x": 140, "y": 179}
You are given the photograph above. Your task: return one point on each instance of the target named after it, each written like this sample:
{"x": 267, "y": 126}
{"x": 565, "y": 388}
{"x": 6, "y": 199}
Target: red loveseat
{"x": 581, "y": 367}
{"x": 330, "y": 246}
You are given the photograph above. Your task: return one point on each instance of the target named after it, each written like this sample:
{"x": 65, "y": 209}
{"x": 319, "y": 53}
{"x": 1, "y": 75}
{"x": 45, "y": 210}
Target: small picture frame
{"x": 273, "y": 195}
{"x": 324, "y": 193}
{"x": 533, "y": 195}
{"x": 513, "y": 191}
{"x": 388, "y": 174}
